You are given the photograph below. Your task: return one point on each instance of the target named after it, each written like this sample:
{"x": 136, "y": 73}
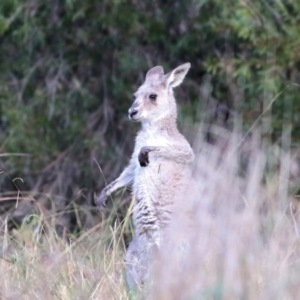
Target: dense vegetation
{"x": 68, "y": 69}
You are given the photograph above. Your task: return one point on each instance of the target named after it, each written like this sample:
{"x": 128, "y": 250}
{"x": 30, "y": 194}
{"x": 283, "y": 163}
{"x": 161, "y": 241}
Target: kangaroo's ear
{"x": 155, "y": 73}
{"x": 175, "y": 77}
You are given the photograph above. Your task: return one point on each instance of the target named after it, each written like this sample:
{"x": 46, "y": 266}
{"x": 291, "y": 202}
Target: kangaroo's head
{"x": 154, "y": 99}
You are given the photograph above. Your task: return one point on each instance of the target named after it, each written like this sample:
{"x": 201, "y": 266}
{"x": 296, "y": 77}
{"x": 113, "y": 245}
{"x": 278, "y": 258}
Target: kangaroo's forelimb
{"x": 176, "y": 153}
{"x": 125, "y": 179}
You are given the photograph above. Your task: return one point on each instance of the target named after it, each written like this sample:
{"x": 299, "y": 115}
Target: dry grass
{"x": 37, "y": 264}
{"x": 236, "y": 236}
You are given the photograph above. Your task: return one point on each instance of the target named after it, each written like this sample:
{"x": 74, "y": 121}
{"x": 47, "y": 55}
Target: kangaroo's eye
{"x": 153, "y": 97}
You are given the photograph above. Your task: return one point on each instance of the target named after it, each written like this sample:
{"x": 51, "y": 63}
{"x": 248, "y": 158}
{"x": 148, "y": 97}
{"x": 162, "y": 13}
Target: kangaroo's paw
{"x": 144, "y": 155}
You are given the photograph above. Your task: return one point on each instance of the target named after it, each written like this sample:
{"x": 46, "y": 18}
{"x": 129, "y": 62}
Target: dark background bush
{"x": 69, "y": 68}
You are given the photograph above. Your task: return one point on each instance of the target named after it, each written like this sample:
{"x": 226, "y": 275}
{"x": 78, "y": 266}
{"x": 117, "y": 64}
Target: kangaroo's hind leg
{"x": 139, "y": 260}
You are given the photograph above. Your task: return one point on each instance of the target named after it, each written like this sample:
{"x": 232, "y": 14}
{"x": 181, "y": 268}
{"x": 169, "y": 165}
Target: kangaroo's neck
{"x": 164, "y": 124}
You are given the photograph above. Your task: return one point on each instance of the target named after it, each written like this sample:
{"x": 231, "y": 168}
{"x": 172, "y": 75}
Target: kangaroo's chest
{"x": 159, "y": 176}
{"x": 154, "y": 186}
{"x": 153, "y": 138}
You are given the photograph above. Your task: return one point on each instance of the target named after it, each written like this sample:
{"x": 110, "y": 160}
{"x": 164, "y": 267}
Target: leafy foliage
{"x": 68, "y": 69}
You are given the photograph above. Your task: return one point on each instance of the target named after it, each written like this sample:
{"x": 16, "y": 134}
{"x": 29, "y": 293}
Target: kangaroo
{"x": 157, "y": 168}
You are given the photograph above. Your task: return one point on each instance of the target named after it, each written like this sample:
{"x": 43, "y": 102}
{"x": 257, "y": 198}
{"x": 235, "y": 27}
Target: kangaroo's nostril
{"x": 133, "y": 112}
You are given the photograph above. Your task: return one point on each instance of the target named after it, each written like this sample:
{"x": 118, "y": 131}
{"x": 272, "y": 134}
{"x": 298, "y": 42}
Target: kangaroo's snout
{"x": 133, "y": 111}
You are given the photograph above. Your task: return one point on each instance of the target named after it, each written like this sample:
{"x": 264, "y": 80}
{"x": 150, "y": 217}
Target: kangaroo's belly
{"x": 155, "y": 188}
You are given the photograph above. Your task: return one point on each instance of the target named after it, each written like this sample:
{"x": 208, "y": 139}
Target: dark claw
{"x": 144, "y": 156}
{"x": 101, "y": 201}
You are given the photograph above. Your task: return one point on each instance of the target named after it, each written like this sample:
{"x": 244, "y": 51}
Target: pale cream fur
{"x": 157, "y": 170}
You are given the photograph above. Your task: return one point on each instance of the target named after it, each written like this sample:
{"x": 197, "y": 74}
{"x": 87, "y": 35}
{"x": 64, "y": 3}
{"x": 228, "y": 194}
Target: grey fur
{"x": 157, "y": 169}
